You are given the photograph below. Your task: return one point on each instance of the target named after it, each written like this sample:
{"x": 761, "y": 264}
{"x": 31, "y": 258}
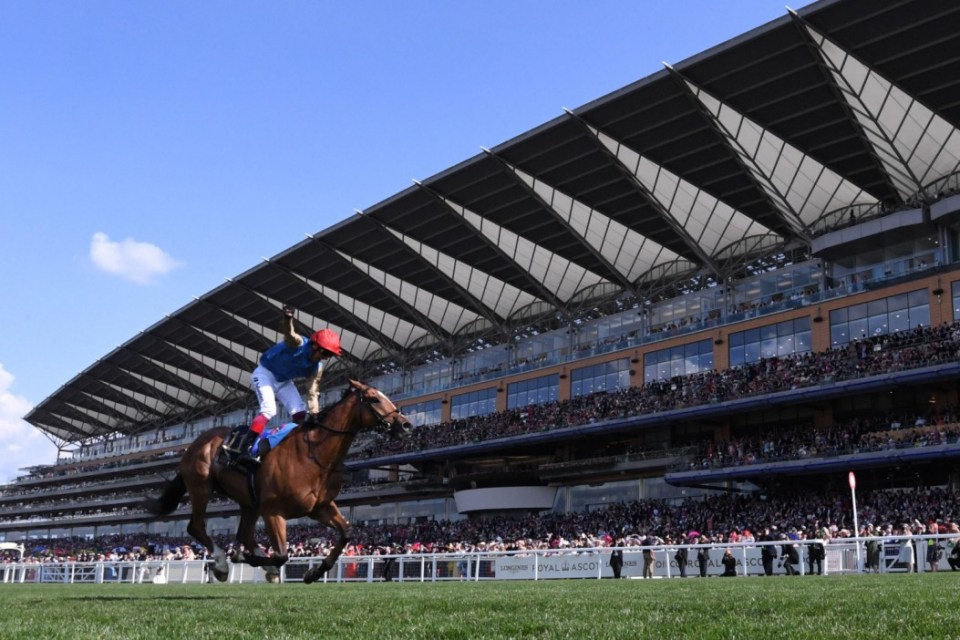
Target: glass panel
{"x": 878, "y": 325}
{"x": 918, "y": 298}
{"x": 737, "y": 356}
{"x": 876, "y": 307}
{"x": 857, "y": 311}
{"x": 768, "y": 347}
{"x": 895, "y": 303}
{"x": 839, "y": 334}
{"x": 899, "y": 321}
{"x": 920, "y": 316}
{"x": 858, "y": 329}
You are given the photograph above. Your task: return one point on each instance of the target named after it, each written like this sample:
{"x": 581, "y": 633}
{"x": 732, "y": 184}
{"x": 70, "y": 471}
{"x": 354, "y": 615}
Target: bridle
{"x": 384, "y": 420}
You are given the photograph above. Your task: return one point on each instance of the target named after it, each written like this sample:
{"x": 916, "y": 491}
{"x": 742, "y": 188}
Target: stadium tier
{"x": 739, "y": 275}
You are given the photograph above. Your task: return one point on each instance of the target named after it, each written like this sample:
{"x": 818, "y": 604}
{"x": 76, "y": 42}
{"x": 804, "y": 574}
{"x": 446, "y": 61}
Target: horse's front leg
{"x": 329, "y": 515}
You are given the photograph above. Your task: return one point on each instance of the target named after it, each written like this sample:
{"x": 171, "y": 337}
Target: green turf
{"x": 901, "y": 606}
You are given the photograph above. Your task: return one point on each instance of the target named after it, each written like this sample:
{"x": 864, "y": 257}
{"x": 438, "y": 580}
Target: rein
{"x": 311, "y": 445}
{"x": 381, "y": 420}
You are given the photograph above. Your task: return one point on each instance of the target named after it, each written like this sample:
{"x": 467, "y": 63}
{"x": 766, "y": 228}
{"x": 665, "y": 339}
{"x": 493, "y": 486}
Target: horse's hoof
{"x": 315, "y": 573}
{"x": 272, "y": 575}
{"x": 221, "y": 576}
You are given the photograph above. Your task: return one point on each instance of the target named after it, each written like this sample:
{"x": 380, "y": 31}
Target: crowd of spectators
{"x": 900, "y": 351}
{"x": 856, "y": 436}
{"x": 717, "y": 519}
{"x": 720, "y": 518}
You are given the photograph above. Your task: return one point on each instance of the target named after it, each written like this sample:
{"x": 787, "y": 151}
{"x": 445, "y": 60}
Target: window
{"x": 475, "y": 403}
{"x": 771, "y": 341}
{"x": 536, "y": 391}
{"x": 423, "y": 413}
{"x": 678, "y": 361}
{"x": 881, "y": 317}
{"x": 607, "y": 376}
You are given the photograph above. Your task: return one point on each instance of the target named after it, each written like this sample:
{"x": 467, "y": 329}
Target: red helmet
{"x": 327, "y": 339}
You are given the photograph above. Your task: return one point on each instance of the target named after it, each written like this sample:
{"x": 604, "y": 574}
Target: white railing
{"x": 846, "y": 556}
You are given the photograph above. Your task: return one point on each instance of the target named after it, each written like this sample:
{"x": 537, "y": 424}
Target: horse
{"x": 299, "y": 477}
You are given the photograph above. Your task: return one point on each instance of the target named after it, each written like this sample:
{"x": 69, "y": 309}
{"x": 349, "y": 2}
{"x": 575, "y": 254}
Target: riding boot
{"x": 245, "y": 449}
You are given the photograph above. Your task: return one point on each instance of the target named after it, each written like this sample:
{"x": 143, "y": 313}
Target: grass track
{"x": 909, "y": 606}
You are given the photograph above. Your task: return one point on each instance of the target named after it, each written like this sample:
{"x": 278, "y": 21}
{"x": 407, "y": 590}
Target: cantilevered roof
{"x": 740, "y": 148}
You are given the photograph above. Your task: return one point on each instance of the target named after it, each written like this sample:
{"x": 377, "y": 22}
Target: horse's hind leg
{"x": 329, "y": 515}
{"x": 277, "y": 531}
{"x": 199, "y": 497}
{"x": 246, "y": 535}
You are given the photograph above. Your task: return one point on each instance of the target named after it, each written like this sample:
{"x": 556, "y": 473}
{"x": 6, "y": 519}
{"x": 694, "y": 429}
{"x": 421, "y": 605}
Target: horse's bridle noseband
{"x": 384, "y": 421}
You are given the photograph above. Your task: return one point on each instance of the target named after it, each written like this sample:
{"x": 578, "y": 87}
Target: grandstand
{"x": 739, "y": 274}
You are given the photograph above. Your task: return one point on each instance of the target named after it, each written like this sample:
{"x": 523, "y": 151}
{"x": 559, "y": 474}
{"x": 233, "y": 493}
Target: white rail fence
{"x": 846, "y": 556}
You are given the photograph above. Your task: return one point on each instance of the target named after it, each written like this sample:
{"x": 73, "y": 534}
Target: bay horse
{"x": 299, "y": 477}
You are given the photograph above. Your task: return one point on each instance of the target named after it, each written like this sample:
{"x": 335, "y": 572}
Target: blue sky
{"x": 149, "y": 150}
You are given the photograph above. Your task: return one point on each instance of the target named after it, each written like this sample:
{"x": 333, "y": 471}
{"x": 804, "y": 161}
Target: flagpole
{"x": 852, "y": 479}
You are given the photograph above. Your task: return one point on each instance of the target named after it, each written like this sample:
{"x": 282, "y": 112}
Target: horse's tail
{"x": 168, "y": 500}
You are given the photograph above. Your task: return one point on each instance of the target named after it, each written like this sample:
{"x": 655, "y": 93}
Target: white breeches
{"x": 268, "y": 390}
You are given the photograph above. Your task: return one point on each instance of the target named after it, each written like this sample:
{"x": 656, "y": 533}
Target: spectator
{"x": 729, "y": 564}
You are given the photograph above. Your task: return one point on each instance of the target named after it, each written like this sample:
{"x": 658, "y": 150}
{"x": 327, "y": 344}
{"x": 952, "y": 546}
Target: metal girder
{"x": 613, "y": 273}
{"x": 792, "y": 220}
{"x": 239, "y": 361}
{"x": 180, "y": 381}
{"x": 142, "y": 387}
{"x": 801, "y": 25}
{"x": 113, "y": 393}
{"x": 542, "y": 292}
{"x": 358, "y": 324}
{"x": 259, "y": 337}
{"x": 216, "y": 375}
{"x": 687, "y": 239}
{"x": 475, "y": 303}
{"x": 347, "y": 356}
{"x": 442, "y": 337}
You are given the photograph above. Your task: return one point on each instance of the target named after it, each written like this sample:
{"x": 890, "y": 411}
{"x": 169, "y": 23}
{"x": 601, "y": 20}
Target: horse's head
{"x": 387, "y": 417}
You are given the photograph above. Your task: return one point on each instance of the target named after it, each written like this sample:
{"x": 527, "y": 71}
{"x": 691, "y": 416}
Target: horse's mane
{"x": 321, "y": 416}
{"x": 315, "y": 421}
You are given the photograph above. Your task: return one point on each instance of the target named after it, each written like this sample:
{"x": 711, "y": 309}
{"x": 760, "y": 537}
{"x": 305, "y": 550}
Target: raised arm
{"x": 290, "y": 336}
{"x": 313, "y": 391}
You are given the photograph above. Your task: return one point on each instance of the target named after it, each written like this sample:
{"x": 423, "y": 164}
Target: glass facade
{"x": 771, "y": 341}
{"x": 607, "y": 376}
{"x": 536, "y": 391}
{"x": 880, "y": 317}
{"x": 678, "y": 361}
{"x": 423, "y": 413}
{"x": 475, "y": 403}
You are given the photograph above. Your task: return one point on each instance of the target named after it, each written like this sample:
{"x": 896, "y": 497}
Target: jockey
{"x": 295, "y": 357}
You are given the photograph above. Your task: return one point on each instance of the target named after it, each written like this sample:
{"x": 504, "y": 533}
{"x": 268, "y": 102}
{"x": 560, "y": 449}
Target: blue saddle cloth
{"x": 274, "y": 437}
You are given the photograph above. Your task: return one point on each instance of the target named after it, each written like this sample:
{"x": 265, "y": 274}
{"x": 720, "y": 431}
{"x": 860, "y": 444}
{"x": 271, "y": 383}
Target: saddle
{"x": 230, "y": 450}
